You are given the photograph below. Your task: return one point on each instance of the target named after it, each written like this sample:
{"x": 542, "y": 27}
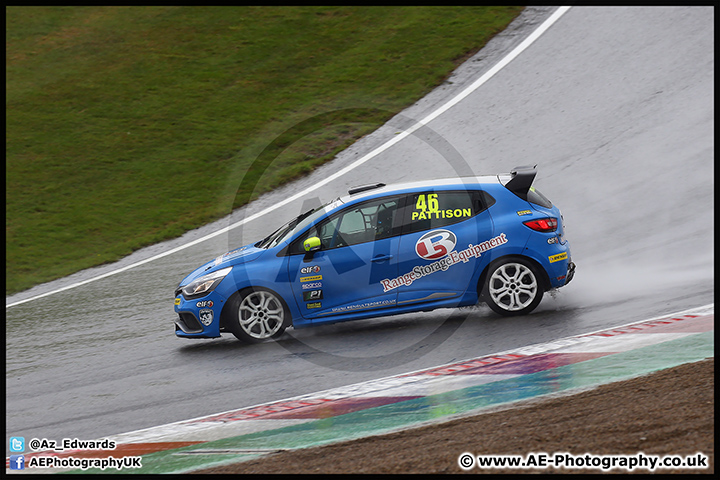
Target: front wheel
{"x": 255, "y": 315}
{"x": 512, "y": 287}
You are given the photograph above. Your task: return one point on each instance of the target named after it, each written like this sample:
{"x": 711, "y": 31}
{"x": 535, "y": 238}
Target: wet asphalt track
{"x": 615, "y": 105}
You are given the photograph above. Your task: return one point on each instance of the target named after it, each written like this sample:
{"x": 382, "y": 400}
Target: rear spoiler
{"x": 521, "y": 180}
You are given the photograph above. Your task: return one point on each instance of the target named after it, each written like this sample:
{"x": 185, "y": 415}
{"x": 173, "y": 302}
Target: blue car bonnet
{"x": 245, "y": 254}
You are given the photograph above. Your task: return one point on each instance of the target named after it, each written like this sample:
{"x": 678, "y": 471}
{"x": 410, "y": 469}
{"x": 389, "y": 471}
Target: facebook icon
{"x": 17, "y": 462}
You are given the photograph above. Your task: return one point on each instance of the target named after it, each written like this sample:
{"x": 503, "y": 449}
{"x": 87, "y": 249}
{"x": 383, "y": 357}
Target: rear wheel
{"x": 512, "y": 287}
{"x": 254, "y": 315}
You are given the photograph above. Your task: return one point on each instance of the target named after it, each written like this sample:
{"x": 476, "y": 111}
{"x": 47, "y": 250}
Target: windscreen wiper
{"x": 289, "y": 225}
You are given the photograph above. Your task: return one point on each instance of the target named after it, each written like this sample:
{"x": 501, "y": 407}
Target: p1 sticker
{"x": 312, "y": 296}
{"x": 435, "y": 244}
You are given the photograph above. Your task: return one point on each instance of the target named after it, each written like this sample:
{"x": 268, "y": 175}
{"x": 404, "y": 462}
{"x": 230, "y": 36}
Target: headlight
{"x": 204, "y": 284}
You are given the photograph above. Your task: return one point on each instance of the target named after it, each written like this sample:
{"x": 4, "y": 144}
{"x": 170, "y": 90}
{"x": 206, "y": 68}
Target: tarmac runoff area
{"x": 413, "y": 399}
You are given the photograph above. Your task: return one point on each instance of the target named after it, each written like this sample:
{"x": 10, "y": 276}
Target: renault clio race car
{"x": 386, "y": 250}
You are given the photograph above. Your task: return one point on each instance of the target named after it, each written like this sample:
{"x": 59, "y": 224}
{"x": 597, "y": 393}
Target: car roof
{"x": 421, "y": 184}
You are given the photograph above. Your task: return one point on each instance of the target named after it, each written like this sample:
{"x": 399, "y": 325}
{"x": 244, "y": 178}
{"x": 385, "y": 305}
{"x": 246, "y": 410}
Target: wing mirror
{"x": 311, "y": 245}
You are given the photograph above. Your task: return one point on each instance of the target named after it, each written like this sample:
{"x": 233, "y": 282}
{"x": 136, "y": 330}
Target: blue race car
{"x": 385, "y": 250}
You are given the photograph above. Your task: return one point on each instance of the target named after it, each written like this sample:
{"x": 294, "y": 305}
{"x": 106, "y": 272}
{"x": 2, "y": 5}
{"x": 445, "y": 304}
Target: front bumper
{"x": 199, "y": 317}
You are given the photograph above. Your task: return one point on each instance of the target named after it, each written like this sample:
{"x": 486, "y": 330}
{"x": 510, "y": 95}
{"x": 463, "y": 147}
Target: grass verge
{"x": 125, "y": 125}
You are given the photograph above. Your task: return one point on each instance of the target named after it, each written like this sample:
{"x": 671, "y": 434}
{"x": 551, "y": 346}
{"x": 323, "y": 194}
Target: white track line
{"x": 397, "y": 138}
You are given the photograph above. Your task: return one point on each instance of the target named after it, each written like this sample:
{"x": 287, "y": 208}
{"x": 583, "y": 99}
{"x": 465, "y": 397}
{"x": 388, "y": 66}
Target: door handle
{"x": 382, "y": 258}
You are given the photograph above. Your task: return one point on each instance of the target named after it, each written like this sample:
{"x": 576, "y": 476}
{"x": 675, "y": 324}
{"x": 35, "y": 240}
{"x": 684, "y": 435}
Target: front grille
{"x": 188, "y": 323}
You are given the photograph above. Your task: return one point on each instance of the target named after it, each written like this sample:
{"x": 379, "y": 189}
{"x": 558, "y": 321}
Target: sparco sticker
{"x": 435, "y": 244}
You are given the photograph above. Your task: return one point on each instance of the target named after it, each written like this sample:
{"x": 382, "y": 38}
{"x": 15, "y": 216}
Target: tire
{"x": 512, "y": 287}
{"x": 254, "y": 315}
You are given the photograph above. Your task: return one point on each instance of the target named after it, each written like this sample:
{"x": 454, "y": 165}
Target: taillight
{"x": 543, "y": 224}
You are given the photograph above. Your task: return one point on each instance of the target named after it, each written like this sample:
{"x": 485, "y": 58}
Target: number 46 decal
{"x": 432, "y": 204}
{"x": 428, "y": 208}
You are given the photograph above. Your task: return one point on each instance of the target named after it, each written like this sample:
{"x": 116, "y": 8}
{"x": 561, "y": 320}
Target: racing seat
{"x": 383, "y": 227}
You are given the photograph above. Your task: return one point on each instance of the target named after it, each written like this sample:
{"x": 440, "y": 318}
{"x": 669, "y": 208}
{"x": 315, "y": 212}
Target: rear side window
{"x": 428, "y": 210}
{"x": 534, "y": 196}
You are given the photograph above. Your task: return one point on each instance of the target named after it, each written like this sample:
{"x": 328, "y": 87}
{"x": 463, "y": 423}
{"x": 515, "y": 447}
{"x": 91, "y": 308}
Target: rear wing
{"x": 521, "y": 180}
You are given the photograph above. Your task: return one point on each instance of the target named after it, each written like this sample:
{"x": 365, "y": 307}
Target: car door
{"x": 359, "y": 250}
{"x": 438, "y": 252}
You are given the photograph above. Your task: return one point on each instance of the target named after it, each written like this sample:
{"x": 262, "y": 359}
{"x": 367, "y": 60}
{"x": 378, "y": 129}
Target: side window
{"x": 350, "y": 229}
{"x": 435, "y": 209}
{"x": 538, "y": 198}
{"x": 360, "y": 223}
